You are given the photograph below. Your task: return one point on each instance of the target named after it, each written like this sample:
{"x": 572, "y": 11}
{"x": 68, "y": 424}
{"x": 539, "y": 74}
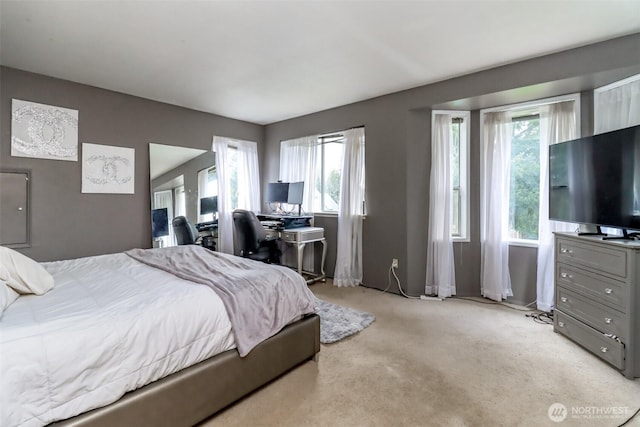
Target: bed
{"x": 120, "y": 340}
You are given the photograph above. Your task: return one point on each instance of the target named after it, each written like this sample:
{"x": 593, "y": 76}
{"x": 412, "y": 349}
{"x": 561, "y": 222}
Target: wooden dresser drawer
{"x": 600, "y": 258}
{"x": 606, "y": 348}
{"x": 598, "y": 316}
{"x": 605, "y": 289}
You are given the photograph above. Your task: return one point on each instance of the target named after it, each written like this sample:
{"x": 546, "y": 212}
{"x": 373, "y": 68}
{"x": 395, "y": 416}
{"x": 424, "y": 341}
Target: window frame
{"x": 515, "y": 109}
{"x": 464, "y": 196}
{"x": 335, "y": 138}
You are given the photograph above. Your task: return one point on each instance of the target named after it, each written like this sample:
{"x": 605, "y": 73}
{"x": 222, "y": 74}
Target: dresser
{"x": 597, "y": 297}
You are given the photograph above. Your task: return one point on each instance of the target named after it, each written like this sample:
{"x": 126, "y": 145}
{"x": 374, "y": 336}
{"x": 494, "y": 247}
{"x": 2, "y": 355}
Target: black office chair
{"x": 251, "y": 238}
{"x": 186, "y": 233}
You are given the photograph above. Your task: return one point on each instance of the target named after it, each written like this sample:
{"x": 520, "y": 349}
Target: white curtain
{"x": 248, "y": 176}
{"x": 441, "y": 279}
{"x": 298, "y": 163}
{"x": 164, "y": 199}
{"x": 617, "y": 107}
{"x": 348, "y": 271}
{"x": 496, "y": 155}
{"x": 246, "y": 172}
{"x": 558, "y": 123}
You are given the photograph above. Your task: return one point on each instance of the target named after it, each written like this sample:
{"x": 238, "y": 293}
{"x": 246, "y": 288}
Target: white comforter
{"x": 97, "y": 335}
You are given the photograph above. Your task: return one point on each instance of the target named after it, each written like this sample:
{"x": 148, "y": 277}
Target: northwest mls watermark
{"x": 558, "y": 412}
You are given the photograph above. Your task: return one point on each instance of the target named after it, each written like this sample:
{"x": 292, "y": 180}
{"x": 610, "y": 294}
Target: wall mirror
{"x": 179, "y": 177}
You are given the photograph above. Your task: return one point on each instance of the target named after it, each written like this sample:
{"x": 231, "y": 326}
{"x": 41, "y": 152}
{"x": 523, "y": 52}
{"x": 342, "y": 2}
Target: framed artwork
{"x": 43, "y": 131}
{"x": 107, "y": 169}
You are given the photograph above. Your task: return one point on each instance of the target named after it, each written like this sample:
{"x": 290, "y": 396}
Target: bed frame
{"x": 195, "y": 393}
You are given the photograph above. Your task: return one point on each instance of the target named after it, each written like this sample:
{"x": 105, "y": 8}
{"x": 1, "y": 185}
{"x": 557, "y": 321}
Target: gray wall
{"x": 69, "y": 224}
{"x": 397, "y": 129}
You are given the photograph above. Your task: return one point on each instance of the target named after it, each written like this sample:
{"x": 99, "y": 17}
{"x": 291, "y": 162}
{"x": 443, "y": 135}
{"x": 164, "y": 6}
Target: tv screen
{"x": 159, "y": 222}
{"x": 208, "y": 205}
{"x": 278, "y": 192}
{"x": 596, "y": 179}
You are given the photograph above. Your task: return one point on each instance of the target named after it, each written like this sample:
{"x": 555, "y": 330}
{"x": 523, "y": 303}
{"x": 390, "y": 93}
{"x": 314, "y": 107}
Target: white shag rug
{"x": 338, "y": 322}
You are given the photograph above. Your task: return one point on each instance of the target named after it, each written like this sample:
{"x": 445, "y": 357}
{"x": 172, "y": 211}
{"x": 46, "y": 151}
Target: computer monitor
{"x": 278, "y": 192}
{"x": 296, "y": 190}
{"x": 208, "y": 205}
{"x": 159, "y": 222}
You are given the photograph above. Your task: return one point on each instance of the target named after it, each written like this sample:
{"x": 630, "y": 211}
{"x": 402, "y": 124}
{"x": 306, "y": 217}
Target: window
{"x": 527, "y": 140}
{"x": 459, "y": 173}
{"x": 207, "y": 186}
{"x": 329, "y": 155}
{"x": 318, "y": 161}
{"x": 524, "y": 197}
{"x": 459, "y": 176}
{"x": 180, "y": 208}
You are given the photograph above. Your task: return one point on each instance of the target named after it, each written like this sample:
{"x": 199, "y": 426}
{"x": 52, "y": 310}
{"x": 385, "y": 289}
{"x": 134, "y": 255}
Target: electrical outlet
{"x": 394, "y": 263}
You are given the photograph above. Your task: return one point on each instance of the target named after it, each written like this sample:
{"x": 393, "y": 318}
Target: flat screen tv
{"x": 208, "y": 205}
{"x": 596, "y": 179}
{"x": 159, "y": 223}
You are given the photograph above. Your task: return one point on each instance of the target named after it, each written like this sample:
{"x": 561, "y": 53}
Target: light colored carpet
{"x": 338, "y": 322}
{"x": 428, "y": 363}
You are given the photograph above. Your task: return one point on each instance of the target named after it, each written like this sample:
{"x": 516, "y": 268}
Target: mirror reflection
{"x": 180, "y": 178}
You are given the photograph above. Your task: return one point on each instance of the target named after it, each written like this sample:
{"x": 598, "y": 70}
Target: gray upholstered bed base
{"x": 195, "y": 393}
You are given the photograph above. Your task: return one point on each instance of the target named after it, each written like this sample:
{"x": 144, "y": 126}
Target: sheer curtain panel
{"x": 248, "y": 176}
{"x": 441, "y": 280}
{"x": 298, "y": 163}
{"x": 348, "y": 270}
{"x": 495, "y": 281}
{"x": 248, "y": 188}
{"x": 558, "y": 123}
{"x": 617, "y": 106}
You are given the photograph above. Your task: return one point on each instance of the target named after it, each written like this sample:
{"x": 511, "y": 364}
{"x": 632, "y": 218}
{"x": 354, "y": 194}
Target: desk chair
{"x": 252, "y": 239}
{"x": 186, "y": 233}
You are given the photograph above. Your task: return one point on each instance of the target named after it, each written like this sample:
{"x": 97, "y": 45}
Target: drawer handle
{"x": 604, "y": 349}
{"x": 561, "y": 324}
{"x": 564, "y": 299}
{"x": 566, "y": 276}
{"x": 566, "y": 251}
{"x": 607, "y": 320}
{"x": 608, "y": 291}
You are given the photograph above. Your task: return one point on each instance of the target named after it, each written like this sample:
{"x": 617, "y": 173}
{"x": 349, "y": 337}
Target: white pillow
{"x": 23, "y": 274}
{"x": 7, "y": 296}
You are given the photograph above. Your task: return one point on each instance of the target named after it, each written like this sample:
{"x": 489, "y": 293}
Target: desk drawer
{"x": 596, "y": 315}
{"x": 271, "y": 233}
{"x": 307, "y": 234}
{"x": 605, "y": 289}
{"x": 605, "y": 259}
{"x": 608, "y": 349}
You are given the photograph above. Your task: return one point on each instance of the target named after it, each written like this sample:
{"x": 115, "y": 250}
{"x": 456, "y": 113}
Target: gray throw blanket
{"x": 260, "y": 298}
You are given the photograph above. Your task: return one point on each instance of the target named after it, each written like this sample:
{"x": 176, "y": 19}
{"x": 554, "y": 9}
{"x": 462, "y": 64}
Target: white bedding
{"x": 95, "y": 336}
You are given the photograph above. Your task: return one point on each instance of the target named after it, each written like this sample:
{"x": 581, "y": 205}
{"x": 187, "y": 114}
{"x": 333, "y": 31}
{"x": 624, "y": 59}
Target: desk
{"x": 298, "y": 238}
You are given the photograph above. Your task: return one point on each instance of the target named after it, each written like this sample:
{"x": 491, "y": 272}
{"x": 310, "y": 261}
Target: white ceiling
{"x": 266, "y": 61}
